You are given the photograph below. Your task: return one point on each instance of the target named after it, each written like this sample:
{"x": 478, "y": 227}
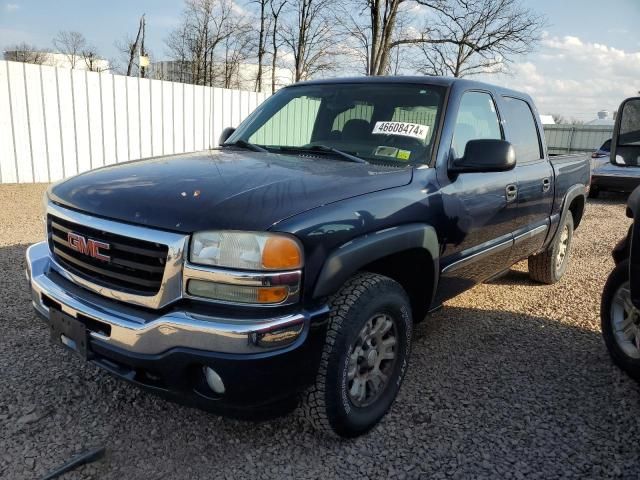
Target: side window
{"x": 477, "y": 119}
{"x": 522, "y": 130}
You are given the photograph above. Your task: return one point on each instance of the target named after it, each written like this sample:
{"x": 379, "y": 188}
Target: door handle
{"x": 512, "y": 192}
{"x": 546, "y": 185}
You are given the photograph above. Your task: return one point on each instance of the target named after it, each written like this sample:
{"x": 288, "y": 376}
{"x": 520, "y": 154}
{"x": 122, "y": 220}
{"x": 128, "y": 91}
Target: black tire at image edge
{"x": 617, "y": 277}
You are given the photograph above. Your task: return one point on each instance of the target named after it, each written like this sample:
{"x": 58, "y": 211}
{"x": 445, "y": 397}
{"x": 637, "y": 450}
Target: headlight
{"x": 246, "y": 250}
{"x": 264, "y": 268}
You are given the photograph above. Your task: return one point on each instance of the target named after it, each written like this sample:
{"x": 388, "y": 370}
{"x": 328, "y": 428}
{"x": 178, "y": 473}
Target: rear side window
{"x": 522, "y": 130}
{"x": 477, "y": 120}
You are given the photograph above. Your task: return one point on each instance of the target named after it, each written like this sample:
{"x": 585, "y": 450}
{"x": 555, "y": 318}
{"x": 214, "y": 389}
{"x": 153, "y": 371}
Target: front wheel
{"x": 364, "y": 358}
{"x": 620, "y": 321}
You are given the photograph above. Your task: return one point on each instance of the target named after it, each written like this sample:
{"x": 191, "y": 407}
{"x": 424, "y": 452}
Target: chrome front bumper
{"x": 142, "y": 331}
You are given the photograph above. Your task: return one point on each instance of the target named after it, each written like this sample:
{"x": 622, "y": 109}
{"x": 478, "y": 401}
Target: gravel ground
{"x": 509, "y": 380}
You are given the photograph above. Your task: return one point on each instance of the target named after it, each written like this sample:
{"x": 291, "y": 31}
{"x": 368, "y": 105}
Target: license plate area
{"x": 69, "y": 331}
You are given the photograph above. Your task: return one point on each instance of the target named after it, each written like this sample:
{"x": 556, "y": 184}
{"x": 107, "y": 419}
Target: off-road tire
{"x": 542, "y": 267}
{"x": 617, "y": 277}
{"x": 326, "y": 404}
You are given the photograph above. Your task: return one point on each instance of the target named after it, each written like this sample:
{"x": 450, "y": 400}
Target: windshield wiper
{"x": 244, "y": 144}
{"x": 324, "y": 148}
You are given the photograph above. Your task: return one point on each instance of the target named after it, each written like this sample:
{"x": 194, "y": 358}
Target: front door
{"x": 479, "y": 207}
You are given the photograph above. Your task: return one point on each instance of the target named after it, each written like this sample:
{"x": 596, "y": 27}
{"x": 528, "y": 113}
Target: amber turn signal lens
{"x": 272, "y": 294}
{"x": 281, "y": 253}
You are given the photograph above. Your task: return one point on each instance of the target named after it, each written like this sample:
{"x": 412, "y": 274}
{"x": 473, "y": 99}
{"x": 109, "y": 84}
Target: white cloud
{"x": 576, "y": 78}
{"x": 11, "y": 7}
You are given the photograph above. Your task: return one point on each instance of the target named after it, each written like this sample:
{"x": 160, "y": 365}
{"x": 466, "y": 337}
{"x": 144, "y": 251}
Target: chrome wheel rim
{"x": 625, "y": 322}
{"x": 372, "y": 360}
{"x": 562, "y": 248}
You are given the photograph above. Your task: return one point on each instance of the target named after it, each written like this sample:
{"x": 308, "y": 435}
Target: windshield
{"x": 375, "y": 122}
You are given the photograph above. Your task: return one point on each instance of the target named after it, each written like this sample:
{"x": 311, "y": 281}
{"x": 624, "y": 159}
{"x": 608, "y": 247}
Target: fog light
{"x": 213, "y": 380}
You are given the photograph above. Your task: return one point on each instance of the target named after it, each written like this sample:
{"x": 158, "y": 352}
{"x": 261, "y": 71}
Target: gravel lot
{"x": 509, "y": 380}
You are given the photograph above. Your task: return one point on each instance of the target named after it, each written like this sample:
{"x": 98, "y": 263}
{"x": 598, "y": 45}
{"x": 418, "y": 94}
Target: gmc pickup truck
{"x": 292, "y": 262}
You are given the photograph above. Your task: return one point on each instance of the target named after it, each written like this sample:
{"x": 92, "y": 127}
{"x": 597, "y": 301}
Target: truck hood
{"x": 224, "y": 189}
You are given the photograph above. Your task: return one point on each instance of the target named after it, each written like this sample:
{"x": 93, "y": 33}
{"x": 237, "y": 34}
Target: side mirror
{"x": 485, "y": 156}
{"x": 625, "y": 142}
{"x": 226, "y": 133}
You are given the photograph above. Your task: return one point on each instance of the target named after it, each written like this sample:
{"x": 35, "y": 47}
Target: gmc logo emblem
{"x": 88, "y": 246}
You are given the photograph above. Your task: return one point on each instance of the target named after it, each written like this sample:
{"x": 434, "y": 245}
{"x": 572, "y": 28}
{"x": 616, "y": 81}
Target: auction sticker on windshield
{"x": 404, "y": 129}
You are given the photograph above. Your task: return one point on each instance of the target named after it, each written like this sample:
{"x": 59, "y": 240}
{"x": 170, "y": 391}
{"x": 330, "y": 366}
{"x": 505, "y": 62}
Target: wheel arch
{"x": 409, "y": 254}
{"x": 574, "y": 203}
{"x": 576, "y": 207}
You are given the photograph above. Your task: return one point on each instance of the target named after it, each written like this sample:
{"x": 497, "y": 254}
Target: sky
{"x": 588, "y": 58}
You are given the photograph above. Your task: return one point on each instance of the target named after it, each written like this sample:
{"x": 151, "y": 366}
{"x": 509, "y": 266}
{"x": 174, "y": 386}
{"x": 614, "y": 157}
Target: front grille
{"x": 135, "y": 266}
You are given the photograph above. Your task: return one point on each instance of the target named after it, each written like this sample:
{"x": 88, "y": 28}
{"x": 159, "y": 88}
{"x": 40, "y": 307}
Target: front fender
{"x": 350, "y": 257}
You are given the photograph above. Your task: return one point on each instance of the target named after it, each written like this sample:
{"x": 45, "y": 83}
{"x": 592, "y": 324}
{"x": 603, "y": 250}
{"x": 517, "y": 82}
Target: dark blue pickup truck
{"x": 292, "y": 262}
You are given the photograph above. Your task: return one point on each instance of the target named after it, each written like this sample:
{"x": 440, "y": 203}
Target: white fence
{"x": 576, "y": 138}
{"x": 57, "y": 122}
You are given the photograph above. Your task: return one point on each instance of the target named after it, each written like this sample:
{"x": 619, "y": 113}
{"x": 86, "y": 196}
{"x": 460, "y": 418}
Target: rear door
{"x": 534, "y": 177}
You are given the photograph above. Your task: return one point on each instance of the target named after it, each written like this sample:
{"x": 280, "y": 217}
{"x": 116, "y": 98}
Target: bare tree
{"x": 205, "y": 24}
{"x": 357, "y": 34}
{"x": 262, "y": 39}
{"x": 372, "y": 29}
{"x": 126, "y": 59}
{"x": 276, "y": 41}
{"x": 235, "y": 51}
{"x": 457, "y": 37}
{"x": 92, "y": 60}
{"x": 25, "y": 53}
{"x": 129, "y": 49}
{"x": 71, "y": 44}
{"x": 478, "y": 36}
{"x": 179, "y": 51}
{"x": 310, "y": 37}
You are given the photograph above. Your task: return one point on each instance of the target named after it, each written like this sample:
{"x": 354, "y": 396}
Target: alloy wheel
{"x": 372, "y": 360}
{"x": 625, "y": 322}
{"x": 562, "y": 248}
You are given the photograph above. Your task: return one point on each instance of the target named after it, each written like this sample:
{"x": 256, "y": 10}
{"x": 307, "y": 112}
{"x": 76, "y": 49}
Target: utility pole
{"x": 144, "y": 60}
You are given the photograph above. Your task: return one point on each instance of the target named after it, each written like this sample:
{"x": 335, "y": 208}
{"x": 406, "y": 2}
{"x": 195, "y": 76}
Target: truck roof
{"x": 418, "y": 79}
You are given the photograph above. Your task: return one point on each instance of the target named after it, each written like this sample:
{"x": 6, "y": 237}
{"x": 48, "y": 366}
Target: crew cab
{"x": 293, "y": 261}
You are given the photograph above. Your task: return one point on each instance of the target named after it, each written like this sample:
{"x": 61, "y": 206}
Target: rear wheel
{"x": 620, "y": 321}
{"x": 549, "y": 266}
{"x": 364, "y": 358}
